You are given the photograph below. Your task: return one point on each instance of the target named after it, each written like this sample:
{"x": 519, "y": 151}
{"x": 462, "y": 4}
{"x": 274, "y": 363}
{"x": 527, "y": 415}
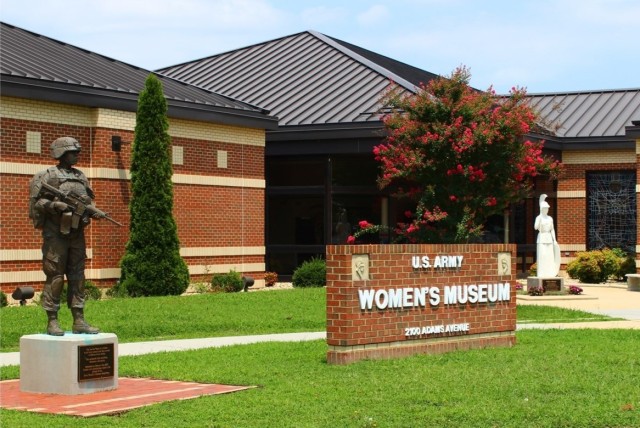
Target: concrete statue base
{"x": 72, "y": 364}
{"x": 548, "y": 284}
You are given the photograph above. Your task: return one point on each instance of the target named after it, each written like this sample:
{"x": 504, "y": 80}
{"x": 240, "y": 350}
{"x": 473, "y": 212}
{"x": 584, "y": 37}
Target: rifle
{"x": 77, "y": 203}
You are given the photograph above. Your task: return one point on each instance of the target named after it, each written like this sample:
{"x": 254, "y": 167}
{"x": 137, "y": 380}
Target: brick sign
{"x": 386, "y": 301}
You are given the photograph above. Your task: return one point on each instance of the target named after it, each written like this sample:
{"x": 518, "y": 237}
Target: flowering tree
{"x": 459, "y": 155}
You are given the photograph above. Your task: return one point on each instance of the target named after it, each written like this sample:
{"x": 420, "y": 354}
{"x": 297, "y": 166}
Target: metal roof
{"x": 312, "y": 82}
{"x": 304, "y": 79}
{"x": 35, "y": 66}
{"x": 589, "y": 114}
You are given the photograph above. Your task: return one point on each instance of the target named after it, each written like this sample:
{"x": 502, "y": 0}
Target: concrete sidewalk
{"x": 140, "y": 348}
{"x": 612, "y": 300}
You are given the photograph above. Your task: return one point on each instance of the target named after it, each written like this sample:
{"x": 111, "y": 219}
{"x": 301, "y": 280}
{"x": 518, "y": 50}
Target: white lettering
{"x": 437, "y": 263}
{"x": 434, "y": 296}
{"x": 407, "y": 297}
{"x": 504, "y": 292}
{"x": 460, "y": 258}
{"x": 382, "y": 299}
{"x": 472, "y": 290}
{"x": 418, "y": 262}
{"x": 482, "y": 293}
{"x": 450, "y": 295}
{"x": 462, "y": 294}
{"x": 366, "y": 299}
{"x": 395, "y": 298}
{"x": 415, "y": 262}
{"x": 420, "y": 296}
{"x": 417, "y": 297}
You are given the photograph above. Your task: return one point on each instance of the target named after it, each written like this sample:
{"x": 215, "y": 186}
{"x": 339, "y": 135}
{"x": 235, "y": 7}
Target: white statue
{"x": 548, "y": 250}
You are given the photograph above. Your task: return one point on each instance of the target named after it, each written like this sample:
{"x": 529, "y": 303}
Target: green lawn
{"x": 551, "y": 378}
{"x": 213, "y": 315}
{"x": 175, "y": 317}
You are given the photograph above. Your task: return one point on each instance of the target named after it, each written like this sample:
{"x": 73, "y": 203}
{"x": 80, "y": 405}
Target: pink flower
{"x": 351, "y": 239}
{"x": 364, "y": 224}
{"x": 453, "y": 198}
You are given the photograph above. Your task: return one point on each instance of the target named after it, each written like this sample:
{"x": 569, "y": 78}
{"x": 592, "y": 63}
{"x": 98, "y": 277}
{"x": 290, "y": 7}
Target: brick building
{"x": 253, "y": 192}
{"x": 51, "y": 89}
{"x": 326, "y": 95}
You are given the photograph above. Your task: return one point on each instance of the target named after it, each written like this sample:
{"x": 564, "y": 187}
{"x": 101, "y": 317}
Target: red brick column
{"x": 417, "y": 326}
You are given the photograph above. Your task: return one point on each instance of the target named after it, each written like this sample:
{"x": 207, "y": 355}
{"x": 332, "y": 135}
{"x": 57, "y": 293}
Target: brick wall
{"x": 354, "y": 333}
{"x": 219, "y": 209}
{"x": 571, "y": 216}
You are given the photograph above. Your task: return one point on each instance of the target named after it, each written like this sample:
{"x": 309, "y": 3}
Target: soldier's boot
{"x": 53, "y": 328}
{"x": 79, "y": 324}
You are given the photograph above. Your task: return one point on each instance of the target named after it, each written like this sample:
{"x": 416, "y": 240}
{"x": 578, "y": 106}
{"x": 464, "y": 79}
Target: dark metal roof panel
{"x": 589, "y": 113}
{"x": 303, "y": 79}
{"x": 32, "y": 56}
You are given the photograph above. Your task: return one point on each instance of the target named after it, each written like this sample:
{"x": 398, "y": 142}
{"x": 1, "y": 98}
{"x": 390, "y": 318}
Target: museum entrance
{"x": 313, "y": 201}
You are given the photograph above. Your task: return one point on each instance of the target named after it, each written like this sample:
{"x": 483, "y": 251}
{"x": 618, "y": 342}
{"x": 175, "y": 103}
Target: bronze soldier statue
{"x": 61, "y": 204}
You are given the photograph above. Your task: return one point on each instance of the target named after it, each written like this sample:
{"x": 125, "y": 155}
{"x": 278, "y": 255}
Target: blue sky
{"x": 543, "y": 45}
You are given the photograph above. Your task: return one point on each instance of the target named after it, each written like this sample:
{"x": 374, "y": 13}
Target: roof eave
{"x": 128, "y": 101}
{"x": 373, "y": 129}
{"x": 633, "y": 131}
{"x": 598, "y": 143}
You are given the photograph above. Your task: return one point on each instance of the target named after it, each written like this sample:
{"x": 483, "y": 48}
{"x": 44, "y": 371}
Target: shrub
{"x": 270, "y": 279}
{"x": 91, "y": 291}
{"x": 230, "y": 282}
{"x": 312, "y": 273}
{"x": 588, "y": 267}
{"x": 119, "y": 290}
{"x": 628, "y": 265}
{"x": 612, "y": 261}
{"x": 201, "y": 287}
{"x": 3, "y": 299}
{"x": 535, "y": 291}
{"x": 592, "y": 267}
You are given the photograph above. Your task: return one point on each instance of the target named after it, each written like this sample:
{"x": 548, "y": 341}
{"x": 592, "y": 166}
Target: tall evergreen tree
{"x": 151, "y": 265}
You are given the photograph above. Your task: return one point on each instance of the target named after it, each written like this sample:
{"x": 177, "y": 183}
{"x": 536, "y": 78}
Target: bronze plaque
{"x": 551, "y": 284}
{"x": 95, "y": 362}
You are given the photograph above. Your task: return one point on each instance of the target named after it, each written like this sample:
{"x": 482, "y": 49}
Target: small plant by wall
{"x": 270, "y": 279}
{"x": 312, "y": 273}
{"x": 230, "y": 282}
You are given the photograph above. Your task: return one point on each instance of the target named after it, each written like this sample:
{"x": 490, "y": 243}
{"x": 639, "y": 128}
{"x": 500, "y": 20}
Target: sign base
{"x": 72, "y": 364}
{"x": 548, "y": 284}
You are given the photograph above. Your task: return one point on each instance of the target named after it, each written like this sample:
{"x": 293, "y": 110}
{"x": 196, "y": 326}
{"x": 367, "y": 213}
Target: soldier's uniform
{"x": 64, "y": 248}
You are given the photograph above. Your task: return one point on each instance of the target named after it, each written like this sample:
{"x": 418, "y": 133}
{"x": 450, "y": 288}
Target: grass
{"x": 215, "y": 315}
{"x": 175, "y": 317}
{"x": 549, "y": 314}
{"x": 551, "y": 378}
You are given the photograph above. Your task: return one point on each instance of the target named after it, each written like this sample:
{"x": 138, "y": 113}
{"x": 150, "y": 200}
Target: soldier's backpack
{"x": 34, "y": 192}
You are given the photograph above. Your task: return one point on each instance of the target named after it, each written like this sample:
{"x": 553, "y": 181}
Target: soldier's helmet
{"x": 63, "y": 145}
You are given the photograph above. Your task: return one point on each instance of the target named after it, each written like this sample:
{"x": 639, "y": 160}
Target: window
{"x": 611, "y": 210}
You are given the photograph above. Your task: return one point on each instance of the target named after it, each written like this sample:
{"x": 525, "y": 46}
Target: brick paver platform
{"x": 131, "y": 393}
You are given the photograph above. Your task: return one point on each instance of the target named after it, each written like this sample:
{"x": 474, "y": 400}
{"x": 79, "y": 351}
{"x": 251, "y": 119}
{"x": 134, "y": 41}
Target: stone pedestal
{"x": 548, "y": 284}
{"x": 72, "y": 364}
{"x": 633, "y": 281}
